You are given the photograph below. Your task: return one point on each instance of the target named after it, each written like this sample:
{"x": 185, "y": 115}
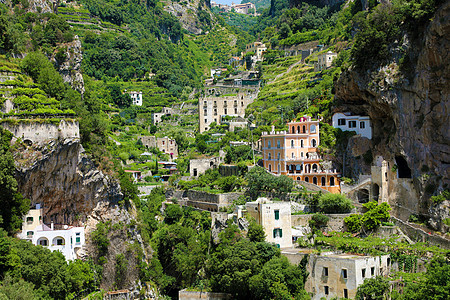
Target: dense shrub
{"x": 334, "y": 204}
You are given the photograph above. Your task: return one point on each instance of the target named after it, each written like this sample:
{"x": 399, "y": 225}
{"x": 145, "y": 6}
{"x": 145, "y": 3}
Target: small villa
{"x": 56, "y": 237}
{"x": 348, "y": 122}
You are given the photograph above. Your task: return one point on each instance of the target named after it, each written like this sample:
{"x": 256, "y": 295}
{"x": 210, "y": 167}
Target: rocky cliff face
{"x": 64, "y": 181}
{"x": 187, "y": 13}
{"x": 409, "y": 111}
{"x": 70, "y": 67}
{"x": 73, "y": 191}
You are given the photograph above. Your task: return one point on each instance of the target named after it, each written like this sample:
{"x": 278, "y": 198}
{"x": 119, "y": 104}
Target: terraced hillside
{"x": 27, "y": 111}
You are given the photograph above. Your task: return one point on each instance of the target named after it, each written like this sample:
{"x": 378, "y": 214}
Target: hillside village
{"x": 274, "y": 175}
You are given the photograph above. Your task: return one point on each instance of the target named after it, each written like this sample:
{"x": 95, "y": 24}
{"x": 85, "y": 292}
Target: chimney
{"x": 273, "y": 129}
{"x": 51, "y": 225}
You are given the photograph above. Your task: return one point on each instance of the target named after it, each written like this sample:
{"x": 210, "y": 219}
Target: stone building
{"x": 163, "y": 144}
{"x": 214, "y": 109}
{"x": 324, "y": 61}
{"x": 136, "y": 97}
{"x": 66, "y": 239}
{"x": 200, "y": 165}
{"x": 294, "y": 153}
{"x": 349, "y": 122}
{"x": 339, "y": 275}
{"x": 157, "y": 117}
{"x": 275, "y": 218}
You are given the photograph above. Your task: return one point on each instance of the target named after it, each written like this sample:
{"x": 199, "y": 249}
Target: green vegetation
{"x": 260, "y": 182}
{"x": 12, "y": 204}
{"x": 32, "y": 272}
{"x": 334, "y": 204}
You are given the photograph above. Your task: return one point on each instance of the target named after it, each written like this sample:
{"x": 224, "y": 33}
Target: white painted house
{"x": 66, "y": 239}
{"x": 348, "y": 122}
{"x": 136, "y": 97}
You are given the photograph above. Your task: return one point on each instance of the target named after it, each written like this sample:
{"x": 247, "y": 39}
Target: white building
{"x": 66, "y": 239}
{"x": 324, "y": 61}
{"x": 136, "y": 97}
{"x": 275, "y": 218}
{"x": 348, "y": 122}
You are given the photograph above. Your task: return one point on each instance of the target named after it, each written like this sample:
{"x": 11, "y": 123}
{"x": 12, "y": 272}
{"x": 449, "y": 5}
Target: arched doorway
{"x": 375, "y": 191}
{"x": 363, "y": 196}
{"x": 315, "y": 180}
{"x": 323, "y": 181}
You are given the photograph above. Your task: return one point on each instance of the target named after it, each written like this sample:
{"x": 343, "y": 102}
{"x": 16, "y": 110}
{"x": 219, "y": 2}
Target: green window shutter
{"x": 281, "y": 232}
{"x": 77, "y": 239}
{"x": 277, "y": 215}
{"x": 274, "y": 233}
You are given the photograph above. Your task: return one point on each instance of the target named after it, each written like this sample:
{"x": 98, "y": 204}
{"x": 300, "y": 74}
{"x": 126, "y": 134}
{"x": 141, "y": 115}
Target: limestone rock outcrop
{"x": 187, "y": 13}
{"x": 70, "y": 67}
{"x": 409, "y": 113}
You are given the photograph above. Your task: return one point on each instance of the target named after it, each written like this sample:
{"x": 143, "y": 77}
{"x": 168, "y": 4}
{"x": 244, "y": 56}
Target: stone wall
{"x": 203, "y": 200}
{"x": 40, "y": 132}
{"x": 420, "y": 235}
{"x": 193, "y": 295}
{"x": 336, "y": 222}
{"x": 199, "y": 166}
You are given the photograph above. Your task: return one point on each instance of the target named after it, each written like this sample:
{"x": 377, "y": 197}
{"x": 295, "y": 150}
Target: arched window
{"x": 301, "y": 154}
{"x": 270, "y": 156}
{"x": 304, "y": 129}
{"x": 298, "y": 167}
{"x": 298, "y": 178}
{"x": 323, "y": 181}
{"x": 269, "y": 144}
{"x": 270, "y": 168}
{"x": 313, "y": 143}
{"x": 332, "y": 181}
{"x": 306, "y": 179}
{"x": 292, "y": 155}
{"x": 58, "y": 241}
{"x": 313, "y": 128}
{"x": 314, "y": 168}
{"x": 292, "y": 143}
{"x": 315, "y": 180}
{"x": 293, "y": 129}
{"x": 278, "y": 155}
{"x": 42, "y": 241}
{"x": 298, "y": 129}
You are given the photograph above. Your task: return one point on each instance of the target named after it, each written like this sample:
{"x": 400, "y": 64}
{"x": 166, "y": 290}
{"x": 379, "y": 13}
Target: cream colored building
{"x": 324, "y": 61}
{"x": 258, "y": 48}
{"x": 275, "y": 218}
{"x": 213, "y": 109}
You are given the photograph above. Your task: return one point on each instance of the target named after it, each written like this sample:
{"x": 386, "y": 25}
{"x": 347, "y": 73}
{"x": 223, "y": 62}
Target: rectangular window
{"x": 325, "y": 271}
{"x": 77, "y": 238}
{"x": 277, "y": 233}
{"x": 226, "y": 112}
{"x": 341, "y": 121}
{"x": 277, "y": 214}
{"x": 345, "y": 293}
{"x": 344, "y": 273}
{"x": 372, "y": 271}
{"x": 326, "y": 290}
{"x": 235, "y": 111}
{"x": 29, "y": 220}
{"x": 363, "y": 273}
{"x": 205, "y": 112}
{"x": 352, "y": 124}
{"x": 362, "y": 125}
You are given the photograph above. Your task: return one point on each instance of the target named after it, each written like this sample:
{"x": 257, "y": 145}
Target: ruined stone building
{"x": 294, "y": 153}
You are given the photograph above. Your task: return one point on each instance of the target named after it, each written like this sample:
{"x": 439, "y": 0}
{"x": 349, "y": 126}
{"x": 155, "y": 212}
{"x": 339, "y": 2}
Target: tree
{"x": 334, "y": 204}
{"x": 172, "y": 214}
{"x": 259, "y": 181}
{"x": 373, "y": 289}
{"x": 353, "y": 222}
{"x": 13, "y": 206}
{"x": 256, "y": 233}
{"x": 375, "y": 214}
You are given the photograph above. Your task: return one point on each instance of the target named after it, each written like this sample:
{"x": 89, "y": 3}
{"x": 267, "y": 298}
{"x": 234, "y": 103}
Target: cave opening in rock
{"x": 363, "y": 196}
{"x": 403, "y": 170}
